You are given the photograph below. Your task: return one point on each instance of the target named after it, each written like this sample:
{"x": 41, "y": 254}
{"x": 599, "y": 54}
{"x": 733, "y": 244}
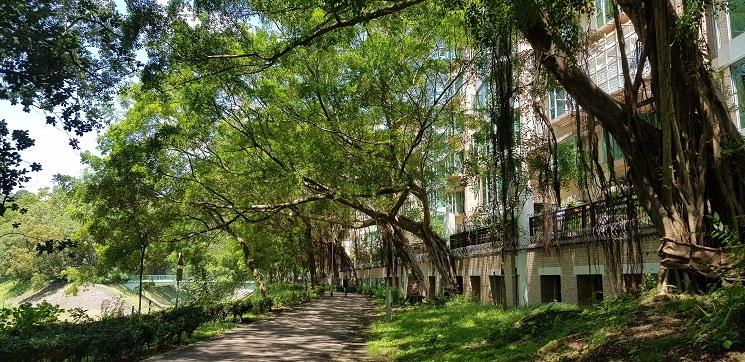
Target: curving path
{"x": 331, "y": 328}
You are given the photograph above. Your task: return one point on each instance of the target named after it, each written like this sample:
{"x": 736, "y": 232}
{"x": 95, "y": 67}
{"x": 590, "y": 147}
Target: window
{"x": 432, "y": 286}
{"x": 550, "y": 288}
{"x": 459, "y": 201}
{"x": 614, "y": 146}
{"x": 633, "y": 52}
{"x": 455, "y": 89}
{"x": 459, "y": 281}
{"x": 498, "y": 293}
{"x": 604, "y": 67}
{"x": 456, "y": 161}
{"x": 612, "y": 67}
{"x": 738, "y": 94}
{"x": 557, "y": 103}
{"x": 589, "y": 289}
{"x": 603, "y": 12}
{"x": 736, "y": 17}
{"x": 476, "y": 287}
{"x": 479, "y": 100}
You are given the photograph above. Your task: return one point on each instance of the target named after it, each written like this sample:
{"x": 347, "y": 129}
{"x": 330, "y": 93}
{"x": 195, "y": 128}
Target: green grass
{"x": 11, "y": 289}
{"x": 623, "y": 328}
{"x": 211, "y": 330}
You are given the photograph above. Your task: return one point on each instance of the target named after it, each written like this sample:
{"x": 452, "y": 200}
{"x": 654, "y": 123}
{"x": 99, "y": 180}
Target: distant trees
{"x": 35, "y": 246}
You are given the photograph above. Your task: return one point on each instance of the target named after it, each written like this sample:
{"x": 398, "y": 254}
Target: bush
{"x": 26, "y": 317}
{"x": 380, "y": 292}
{"x": 32, "y": 333}
{"x": 318, "y": 291}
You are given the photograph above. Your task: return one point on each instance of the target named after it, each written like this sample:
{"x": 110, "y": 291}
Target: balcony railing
{"x": 467, "y": 235}
{"x": 461, "y": 228}
{"x": 616, "y": 219}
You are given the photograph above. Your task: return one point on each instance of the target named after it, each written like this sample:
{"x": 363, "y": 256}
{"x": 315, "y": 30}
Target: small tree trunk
{"x": 403, "y": 249}
{"x": 142, "y": 270}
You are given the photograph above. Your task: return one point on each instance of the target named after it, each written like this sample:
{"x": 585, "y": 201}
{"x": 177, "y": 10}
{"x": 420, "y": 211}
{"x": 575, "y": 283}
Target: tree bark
{"x": 142, "y": 271}
{"x": 402, "y": 248}
{"x": 248, "y": 260}
{"x": 309, "y": 249}
{"x": 439, "y": 253}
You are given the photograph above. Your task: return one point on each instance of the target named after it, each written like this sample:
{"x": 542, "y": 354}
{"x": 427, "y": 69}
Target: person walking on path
{"x": 345, "y": 285}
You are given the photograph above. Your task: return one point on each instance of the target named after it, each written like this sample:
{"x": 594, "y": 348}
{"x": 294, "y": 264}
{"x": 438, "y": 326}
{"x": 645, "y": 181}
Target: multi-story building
{"x": 726, "y": 39}
{"x": 576, "y": 268}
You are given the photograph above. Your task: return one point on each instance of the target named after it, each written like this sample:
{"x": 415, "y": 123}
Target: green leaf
{"x": 726, "y": 344}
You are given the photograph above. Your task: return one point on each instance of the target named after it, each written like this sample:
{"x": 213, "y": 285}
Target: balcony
{"x": 617, "y": 219}
{"x": 473, "y": 240}
{"x": 469, "y": 235}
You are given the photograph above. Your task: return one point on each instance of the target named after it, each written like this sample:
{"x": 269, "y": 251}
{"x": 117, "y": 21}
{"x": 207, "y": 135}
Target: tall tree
{"x": 682, "y": 170}
{"x": 689, "y": 166}
{"x": 261, "y": 144}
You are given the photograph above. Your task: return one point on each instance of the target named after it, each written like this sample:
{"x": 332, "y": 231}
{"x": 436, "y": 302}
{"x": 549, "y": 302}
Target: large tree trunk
{"x": 696, "y": 178}
{"x": 248, "y": 260}
{"x": 397, "y": 239}
{"x": 310, "y": 251}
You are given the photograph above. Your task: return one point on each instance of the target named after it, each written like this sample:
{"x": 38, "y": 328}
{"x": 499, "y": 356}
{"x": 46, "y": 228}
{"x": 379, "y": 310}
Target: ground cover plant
{"x": 645, "y": 328}
{"x": 379, "y": 293}
{"x": 35, "y": 333}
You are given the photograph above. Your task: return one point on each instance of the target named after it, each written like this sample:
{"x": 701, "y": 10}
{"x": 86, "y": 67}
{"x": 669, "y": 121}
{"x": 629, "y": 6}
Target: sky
{"x": 52, "y": 149}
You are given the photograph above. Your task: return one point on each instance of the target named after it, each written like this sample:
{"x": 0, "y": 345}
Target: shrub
{"x": 380, "y": 292}
{"x": 31, "y": 333}
{"x": 25, "y": 317}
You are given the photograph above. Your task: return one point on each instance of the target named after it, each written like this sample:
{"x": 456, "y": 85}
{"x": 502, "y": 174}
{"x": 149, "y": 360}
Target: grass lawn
{"x": 210, "y": 330}
{"x": 11, "y": 289}
{"x": 213, "y": 329}
{"x": 643, "y": 328}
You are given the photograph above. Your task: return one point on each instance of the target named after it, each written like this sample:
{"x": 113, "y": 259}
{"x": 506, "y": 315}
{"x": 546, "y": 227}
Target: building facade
{"x": 598, "y": 248}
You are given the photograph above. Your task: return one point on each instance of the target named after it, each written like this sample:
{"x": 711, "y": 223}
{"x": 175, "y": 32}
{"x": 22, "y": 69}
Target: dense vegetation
{"x": 266, "y": 135}
{"x": 33, "y": 333}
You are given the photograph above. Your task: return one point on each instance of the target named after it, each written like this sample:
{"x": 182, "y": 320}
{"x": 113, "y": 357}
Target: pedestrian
{"x": 345, "y": 285}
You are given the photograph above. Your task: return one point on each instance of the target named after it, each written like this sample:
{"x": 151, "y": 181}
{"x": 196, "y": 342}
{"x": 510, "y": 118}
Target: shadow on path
{"x": 332, "y": 328}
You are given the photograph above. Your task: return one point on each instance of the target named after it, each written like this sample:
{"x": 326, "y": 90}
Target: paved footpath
{"x": 329, "y": 329}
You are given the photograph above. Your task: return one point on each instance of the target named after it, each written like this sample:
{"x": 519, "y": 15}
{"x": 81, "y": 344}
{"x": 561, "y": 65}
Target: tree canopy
{"x": 276, "y": 128}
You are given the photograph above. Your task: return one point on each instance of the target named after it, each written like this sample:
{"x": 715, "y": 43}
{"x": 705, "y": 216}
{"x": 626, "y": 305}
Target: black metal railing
{"x": 468, "y": 235}
{"x": 614, "y": 219}
{"x": 480, "y": 234}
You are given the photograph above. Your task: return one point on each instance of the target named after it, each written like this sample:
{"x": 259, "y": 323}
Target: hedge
{"x": 32, "y": 333}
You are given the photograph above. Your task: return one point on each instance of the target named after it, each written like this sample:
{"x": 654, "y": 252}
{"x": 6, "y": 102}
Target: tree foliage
{"x": 65, "y": 59}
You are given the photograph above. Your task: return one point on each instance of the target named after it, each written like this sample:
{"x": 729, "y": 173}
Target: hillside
{"x": 92, "y": 297}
